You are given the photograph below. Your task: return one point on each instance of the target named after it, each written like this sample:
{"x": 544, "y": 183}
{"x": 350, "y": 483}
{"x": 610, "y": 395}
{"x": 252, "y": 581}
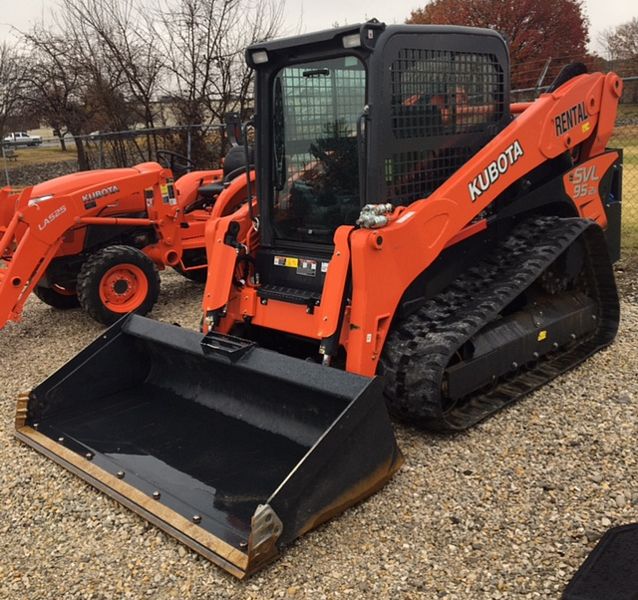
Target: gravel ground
{"x": 509, "y": 509}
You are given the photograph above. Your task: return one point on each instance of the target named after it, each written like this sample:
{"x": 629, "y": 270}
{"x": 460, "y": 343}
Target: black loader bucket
{"x": 233, "y": 449}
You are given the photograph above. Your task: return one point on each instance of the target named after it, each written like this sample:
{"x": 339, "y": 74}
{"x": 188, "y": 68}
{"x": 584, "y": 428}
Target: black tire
{"x": 55, "y": 298}
{"x": 198, "y": 276}
{"x": 104, "y": 262}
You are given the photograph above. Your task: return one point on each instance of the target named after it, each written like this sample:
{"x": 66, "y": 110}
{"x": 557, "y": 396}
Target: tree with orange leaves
{"x": 535, "y": 29}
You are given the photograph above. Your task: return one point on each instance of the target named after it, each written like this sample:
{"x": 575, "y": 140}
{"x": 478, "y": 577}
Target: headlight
{"x": 34, "y": 201}
{"x": 351, "y": 41}
{"x": 260, "y": 57}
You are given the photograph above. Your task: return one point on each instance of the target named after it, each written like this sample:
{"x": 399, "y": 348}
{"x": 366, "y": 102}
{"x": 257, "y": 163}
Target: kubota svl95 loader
{"x": 408, "y": 223}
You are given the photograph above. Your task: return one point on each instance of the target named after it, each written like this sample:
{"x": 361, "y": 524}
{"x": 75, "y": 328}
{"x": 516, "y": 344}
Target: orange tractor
{"x": 416, "y": 241}
{"x": 96, "y": 239}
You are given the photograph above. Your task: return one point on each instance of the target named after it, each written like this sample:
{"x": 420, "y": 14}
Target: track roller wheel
{"x": 117, "y": 280}
{"x": 57, "y": 296}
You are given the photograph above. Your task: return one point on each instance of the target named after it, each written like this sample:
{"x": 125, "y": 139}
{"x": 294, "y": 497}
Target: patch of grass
{"x": 40, "y": 155}
{"x": 630, "y": 210}
{"x": 630, "y": 204}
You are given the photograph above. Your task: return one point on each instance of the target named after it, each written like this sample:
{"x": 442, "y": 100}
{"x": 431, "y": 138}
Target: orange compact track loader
{"x": 415, "y": 241}
{"x": 96, "y": 239}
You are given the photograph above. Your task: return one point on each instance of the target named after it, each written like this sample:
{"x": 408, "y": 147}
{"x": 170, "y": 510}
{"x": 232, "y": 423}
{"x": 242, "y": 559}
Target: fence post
{"x": 541, "y": 78}
{"x": 189, "y": 140}
{"x": 6, "y": 169}
{"x": 101, "y": 154}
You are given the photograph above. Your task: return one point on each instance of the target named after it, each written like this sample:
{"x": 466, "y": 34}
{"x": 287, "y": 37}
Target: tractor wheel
{"x": 117, "y": 280}
{"x": 57, "y": 296}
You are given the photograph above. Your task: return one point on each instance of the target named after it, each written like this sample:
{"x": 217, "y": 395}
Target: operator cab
{"x": 357, "y": 115}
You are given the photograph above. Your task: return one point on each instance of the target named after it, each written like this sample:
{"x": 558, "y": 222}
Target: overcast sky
{"x": 311, "y": 15}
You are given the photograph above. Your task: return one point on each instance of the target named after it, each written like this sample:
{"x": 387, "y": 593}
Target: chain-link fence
{"x": 626, "y": 137}
{"x": 200, "y": 145}
{"x": 28, "y": 161}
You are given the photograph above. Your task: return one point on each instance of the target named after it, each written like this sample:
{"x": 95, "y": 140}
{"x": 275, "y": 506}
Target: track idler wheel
{"x": 117, "y": 280}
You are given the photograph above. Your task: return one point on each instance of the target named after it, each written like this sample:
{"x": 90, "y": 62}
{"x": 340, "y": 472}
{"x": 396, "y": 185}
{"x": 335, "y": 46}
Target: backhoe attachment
{"x": 233, "y": 449}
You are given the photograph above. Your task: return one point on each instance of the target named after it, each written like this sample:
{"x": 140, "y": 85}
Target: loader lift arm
{"x": 427, "y": 226}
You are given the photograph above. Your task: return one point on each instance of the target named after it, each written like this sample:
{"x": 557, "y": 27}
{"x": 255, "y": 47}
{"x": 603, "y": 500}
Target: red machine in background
{"x": 97, "y": 239}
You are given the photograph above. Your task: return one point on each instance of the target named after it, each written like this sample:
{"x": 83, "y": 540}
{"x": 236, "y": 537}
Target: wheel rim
{"x": 123, "y": 288}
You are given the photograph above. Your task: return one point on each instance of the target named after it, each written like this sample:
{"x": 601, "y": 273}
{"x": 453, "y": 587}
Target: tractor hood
{"x": 90, "y": 180}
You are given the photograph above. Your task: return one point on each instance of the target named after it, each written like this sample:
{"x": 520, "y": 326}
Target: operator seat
{"x": 234, "y": 165}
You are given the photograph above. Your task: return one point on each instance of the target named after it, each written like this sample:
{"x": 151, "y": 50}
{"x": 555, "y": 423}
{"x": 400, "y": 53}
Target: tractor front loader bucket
{"x": 233, "y": 449}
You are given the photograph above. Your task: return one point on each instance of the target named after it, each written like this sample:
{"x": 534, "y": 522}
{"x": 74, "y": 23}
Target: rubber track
{"x": 418, "y": 351}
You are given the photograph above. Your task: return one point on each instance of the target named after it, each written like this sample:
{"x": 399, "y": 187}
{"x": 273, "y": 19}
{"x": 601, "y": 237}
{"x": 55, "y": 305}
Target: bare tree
{"x": 190, "y": 32}
{"x": 57, "y": 87}
{"x": 250, "y": 22}
{"x": 621, "y": 42}
{"x": 11, "y": 80}
{"x": 102, "y": 64}
{"x": 204, "y": 42}
{"x": 123, "y": 33}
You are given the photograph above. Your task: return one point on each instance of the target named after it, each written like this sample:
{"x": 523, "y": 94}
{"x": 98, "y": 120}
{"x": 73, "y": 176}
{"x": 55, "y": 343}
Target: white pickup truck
{"x": 21, "y": 138}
